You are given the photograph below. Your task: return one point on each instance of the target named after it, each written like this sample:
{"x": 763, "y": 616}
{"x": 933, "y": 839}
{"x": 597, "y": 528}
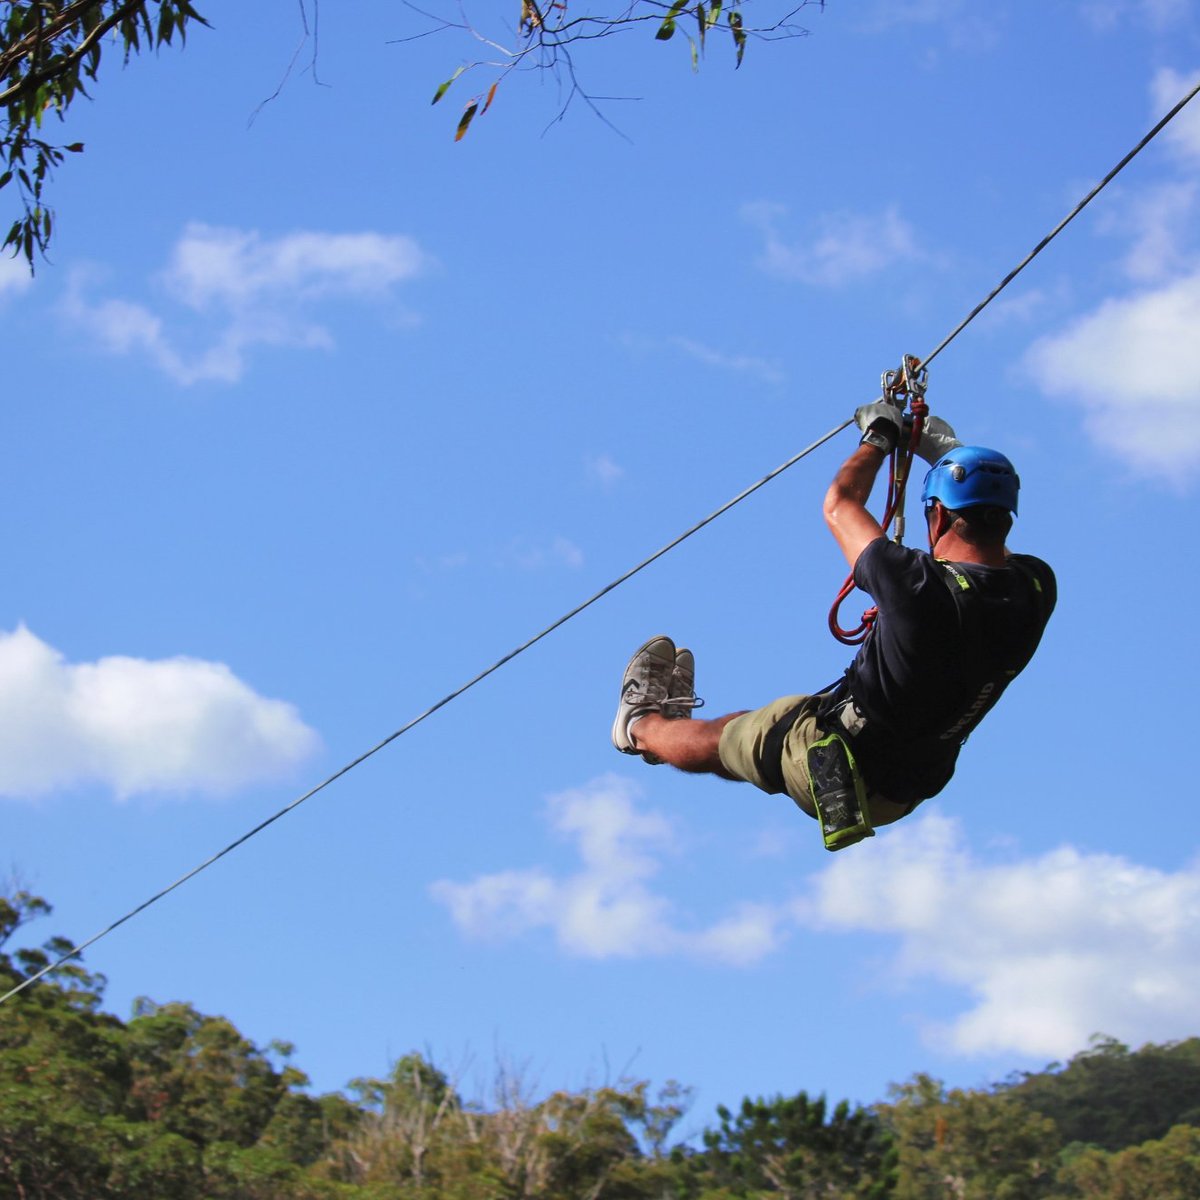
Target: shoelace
{"x": 680, "y": 703}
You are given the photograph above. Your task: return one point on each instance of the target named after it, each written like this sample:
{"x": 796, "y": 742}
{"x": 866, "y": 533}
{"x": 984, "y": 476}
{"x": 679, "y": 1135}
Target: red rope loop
{"x": 899, "y": 467}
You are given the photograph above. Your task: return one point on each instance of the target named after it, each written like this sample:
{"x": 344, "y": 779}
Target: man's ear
{"x": 938, "y": 522}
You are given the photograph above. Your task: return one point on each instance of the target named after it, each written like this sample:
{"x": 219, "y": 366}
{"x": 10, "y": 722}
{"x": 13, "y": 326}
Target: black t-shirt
{"x": 935, "y": 662}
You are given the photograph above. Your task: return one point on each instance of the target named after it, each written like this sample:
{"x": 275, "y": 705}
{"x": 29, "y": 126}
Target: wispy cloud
{"x": 533, "y": 556}
{"x": 14, "y": 276}
{"x": 1183, "y": 133}
{"x": 1107, "y": 15}
{"x": 886, "y": 14}
{"x": 520, "y": 553}
{"x": 453, "y": 560}
{"x": 965, "y": 27}
{"x": 1160, "y": 222}
{"x": 245, "y": 291}
{"x": 1049, "y": 950}
{"x": 603, "y": 470}
{"x": 742, "y": 364}
{"x": 609, "y": 906}
{"x": 706, "y": 354}
{"x": 1132, "y": 365}
{"x": 1019, "y": 308}
{"x": 842, "y": 248}
{"x": 136, "y": 725}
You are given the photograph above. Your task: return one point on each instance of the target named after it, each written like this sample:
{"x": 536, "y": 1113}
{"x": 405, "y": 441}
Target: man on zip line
{"x": 954, "y": 627}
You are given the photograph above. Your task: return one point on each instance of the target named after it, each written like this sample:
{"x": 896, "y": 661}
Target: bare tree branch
{"x": 546, "y": 34}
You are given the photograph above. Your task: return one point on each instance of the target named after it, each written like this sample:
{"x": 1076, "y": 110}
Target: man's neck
{"x": 952, "y": 547}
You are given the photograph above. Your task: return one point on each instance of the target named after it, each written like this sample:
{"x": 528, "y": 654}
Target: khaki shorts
{"x": 741, "y": 748}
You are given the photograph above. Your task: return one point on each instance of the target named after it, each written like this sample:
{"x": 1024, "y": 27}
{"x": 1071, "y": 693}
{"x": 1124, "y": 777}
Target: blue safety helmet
{"x": 970, "y": 476}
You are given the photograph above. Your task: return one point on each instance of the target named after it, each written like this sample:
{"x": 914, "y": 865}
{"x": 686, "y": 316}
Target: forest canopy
{"x": 179, "y": 1105}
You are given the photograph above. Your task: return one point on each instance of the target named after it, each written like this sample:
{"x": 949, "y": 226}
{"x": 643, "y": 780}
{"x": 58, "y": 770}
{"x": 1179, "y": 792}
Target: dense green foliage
{"x": 1110, "y": 1098}
{"x": 176, "y": 1105}
{"x": 50, "y": 53}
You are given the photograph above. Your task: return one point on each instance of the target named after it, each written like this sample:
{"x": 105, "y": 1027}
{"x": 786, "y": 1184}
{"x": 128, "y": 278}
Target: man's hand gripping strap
{"x": 838, "y": 793}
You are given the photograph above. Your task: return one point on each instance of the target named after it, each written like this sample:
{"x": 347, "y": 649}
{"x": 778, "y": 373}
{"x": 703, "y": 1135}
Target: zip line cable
{"x": 76, "y": 951}
{"x": 1153, "y": 133}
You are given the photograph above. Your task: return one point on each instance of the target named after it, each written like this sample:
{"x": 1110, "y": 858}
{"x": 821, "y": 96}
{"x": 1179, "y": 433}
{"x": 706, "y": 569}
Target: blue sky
{"x": 313, "y": 417}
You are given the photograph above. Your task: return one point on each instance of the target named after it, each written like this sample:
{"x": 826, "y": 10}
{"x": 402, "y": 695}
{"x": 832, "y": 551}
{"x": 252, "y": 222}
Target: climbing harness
{"x": 76, "y": 951}
{"x": 903, "y": 387}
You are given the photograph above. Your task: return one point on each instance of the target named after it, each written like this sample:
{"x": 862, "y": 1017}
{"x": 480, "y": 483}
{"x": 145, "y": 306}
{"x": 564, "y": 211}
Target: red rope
{"x": 899, "y": 470}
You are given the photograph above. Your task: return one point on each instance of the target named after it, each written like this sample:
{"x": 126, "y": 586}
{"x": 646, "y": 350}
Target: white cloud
{"x": 1035, "y": 954}
{"x": 607, "y": 908}
{"x": 236, "y": 268}
{"x": 1132, "y": 364}
{"x": 844, "y": 247}
{"x": 122, "y": 327}
{"x": 14, "y": 275}
{"x": 1050, "y": 950}
{"x": 245, "y": 291}
{"x": 136, "y": 725}
{"x": 1183, "y": 133}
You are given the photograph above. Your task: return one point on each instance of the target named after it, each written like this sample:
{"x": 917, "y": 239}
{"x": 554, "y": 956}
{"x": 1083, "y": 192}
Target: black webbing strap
{"x": 959, "y": 584}
{"x": 771, "y": 763}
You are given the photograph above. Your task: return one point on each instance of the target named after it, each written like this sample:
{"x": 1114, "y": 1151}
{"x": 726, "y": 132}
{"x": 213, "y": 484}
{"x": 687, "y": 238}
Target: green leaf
{"x": 739, "y": 35}
{"x": 667, "y": 29}
{"x": 714, "y": 13}
{"x": 74, "y": 148}
{"x": 467, "y": 117}
{"x": 446, "y": 86}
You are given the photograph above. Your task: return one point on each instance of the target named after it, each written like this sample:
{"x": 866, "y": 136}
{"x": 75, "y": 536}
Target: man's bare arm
{"x": 845, "y": 507}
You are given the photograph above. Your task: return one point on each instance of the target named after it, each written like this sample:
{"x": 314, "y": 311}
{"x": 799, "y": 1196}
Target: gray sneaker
{"x": 682, "y": 697}
{"x": 645, "y": 688}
